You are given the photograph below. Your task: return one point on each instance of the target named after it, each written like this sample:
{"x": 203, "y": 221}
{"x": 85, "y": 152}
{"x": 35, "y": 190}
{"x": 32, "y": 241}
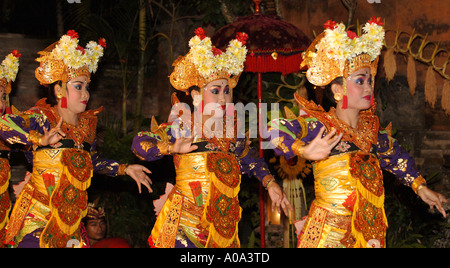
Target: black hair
{"x": 51, "y": 97}
{"x": 184, "y": 97}
{"x": 329, "y": 95}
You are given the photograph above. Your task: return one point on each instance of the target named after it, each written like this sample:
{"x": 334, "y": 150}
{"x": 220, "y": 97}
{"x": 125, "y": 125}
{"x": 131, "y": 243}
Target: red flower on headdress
{"x": 16, "y": 53}
{"x": 217, "y": 51}
{"x": 376, "y": 20}
{"x": 200, "y": 33}
{"x": 330, "y": 24}
{"x": 80, "y": 48}
{"x": 72, "y": 34}
{"x": 351, "y": 34}
{"x": 242, "y": 37}
{"x": 102, "y": 42}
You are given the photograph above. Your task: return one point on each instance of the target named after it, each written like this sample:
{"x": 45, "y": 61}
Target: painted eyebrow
{"x": 217, "y": 85}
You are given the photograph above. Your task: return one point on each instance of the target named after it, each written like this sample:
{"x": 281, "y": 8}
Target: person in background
{"x": 95, "y": 226}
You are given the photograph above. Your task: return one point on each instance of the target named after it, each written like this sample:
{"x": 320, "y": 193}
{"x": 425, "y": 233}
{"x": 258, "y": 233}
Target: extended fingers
{"x": 335, "y": 140}
{"x": 439, "y": 206}
{"x": 146, "y": 182}
{"x": 146, "y": 170}
{"x": 59, "y": 123}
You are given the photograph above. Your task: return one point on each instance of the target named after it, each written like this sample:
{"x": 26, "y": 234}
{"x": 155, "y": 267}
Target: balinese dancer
{"x": 51, "y": 205}
{"x": 8, "y": 73}
{"x": 202, "y": 209}
{"x": 348, "y": 147}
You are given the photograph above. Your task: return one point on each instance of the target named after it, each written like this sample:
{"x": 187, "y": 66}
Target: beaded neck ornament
{"x": 337, "y": 52}
{"x": 8, "y": 73}
{"x": 65, "y": 60}
{"x": 204, "y": 63}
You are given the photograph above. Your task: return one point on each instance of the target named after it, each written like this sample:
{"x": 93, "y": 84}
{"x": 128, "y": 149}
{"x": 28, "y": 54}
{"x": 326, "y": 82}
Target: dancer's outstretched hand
{"x": 279, "y": 199}
{"x": 433, "y": 199}
{"x": 139, "y": 174}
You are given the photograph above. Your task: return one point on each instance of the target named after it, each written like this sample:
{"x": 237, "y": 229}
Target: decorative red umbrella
{"x": 273, "y": 46}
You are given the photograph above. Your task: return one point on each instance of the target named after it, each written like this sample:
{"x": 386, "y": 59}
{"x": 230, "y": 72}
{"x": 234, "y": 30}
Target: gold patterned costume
{"x": 348, "y": 210}
{"x": 202, "y": 210}
{"x": 8, "y": 73}
{"x": 52, "y": 203}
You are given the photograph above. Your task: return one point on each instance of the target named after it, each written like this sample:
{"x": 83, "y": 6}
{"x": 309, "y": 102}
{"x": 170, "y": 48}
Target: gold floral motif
{"x": 224, "y": 213}
{"x": 225, "y": 167}
{"x": 312, "y": 233}
{"x": 168, "y": 233}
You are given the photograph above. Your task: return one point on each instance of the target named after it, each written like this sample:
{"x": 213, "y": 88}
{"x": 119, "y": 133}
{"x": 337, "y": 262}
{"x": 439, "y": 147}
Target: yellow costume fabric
{"x": 204, "y": 202}
{"x": 348, "y": 210}
{"x": 53, "y": 202}
{"x": 345, "y": 213}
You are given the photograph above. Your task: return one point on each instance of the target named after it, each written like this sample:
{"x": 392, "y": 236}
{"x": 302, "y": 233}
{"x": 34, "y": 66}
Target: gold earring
{"x": 59, "y": 96}
{"x": 338, "y": 97}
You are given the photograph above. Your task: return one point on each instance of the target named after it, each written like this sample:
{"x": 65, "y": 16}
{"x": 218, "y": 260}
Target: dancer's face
{"x": 359, "y": 89}
{"x": 77, "y": 94}
{"x": 216, "y": 95}
{"x": 218, "y": 92}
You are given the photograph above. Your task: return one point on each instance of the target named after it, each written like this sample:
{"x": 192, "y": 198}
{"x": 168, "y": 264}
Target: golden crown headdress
{"x": 204, "y": 63}
{"x": 66, "y": 59}
{"x": 337, "y": 52}
{"x": 8, "y": 73}
{"x": 9, "y": 69}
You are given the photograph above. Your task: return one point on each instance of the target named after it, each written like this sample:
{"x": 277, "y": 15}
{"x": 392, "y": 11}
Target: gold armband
{"x": 165, "y": 148}
{"x": 35, "y": 138}
{"x": 418, "y": 183}
{"x": 267, "y": 181}
{"x": 122, "y": 169}
{"x": 298, "y": 147}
